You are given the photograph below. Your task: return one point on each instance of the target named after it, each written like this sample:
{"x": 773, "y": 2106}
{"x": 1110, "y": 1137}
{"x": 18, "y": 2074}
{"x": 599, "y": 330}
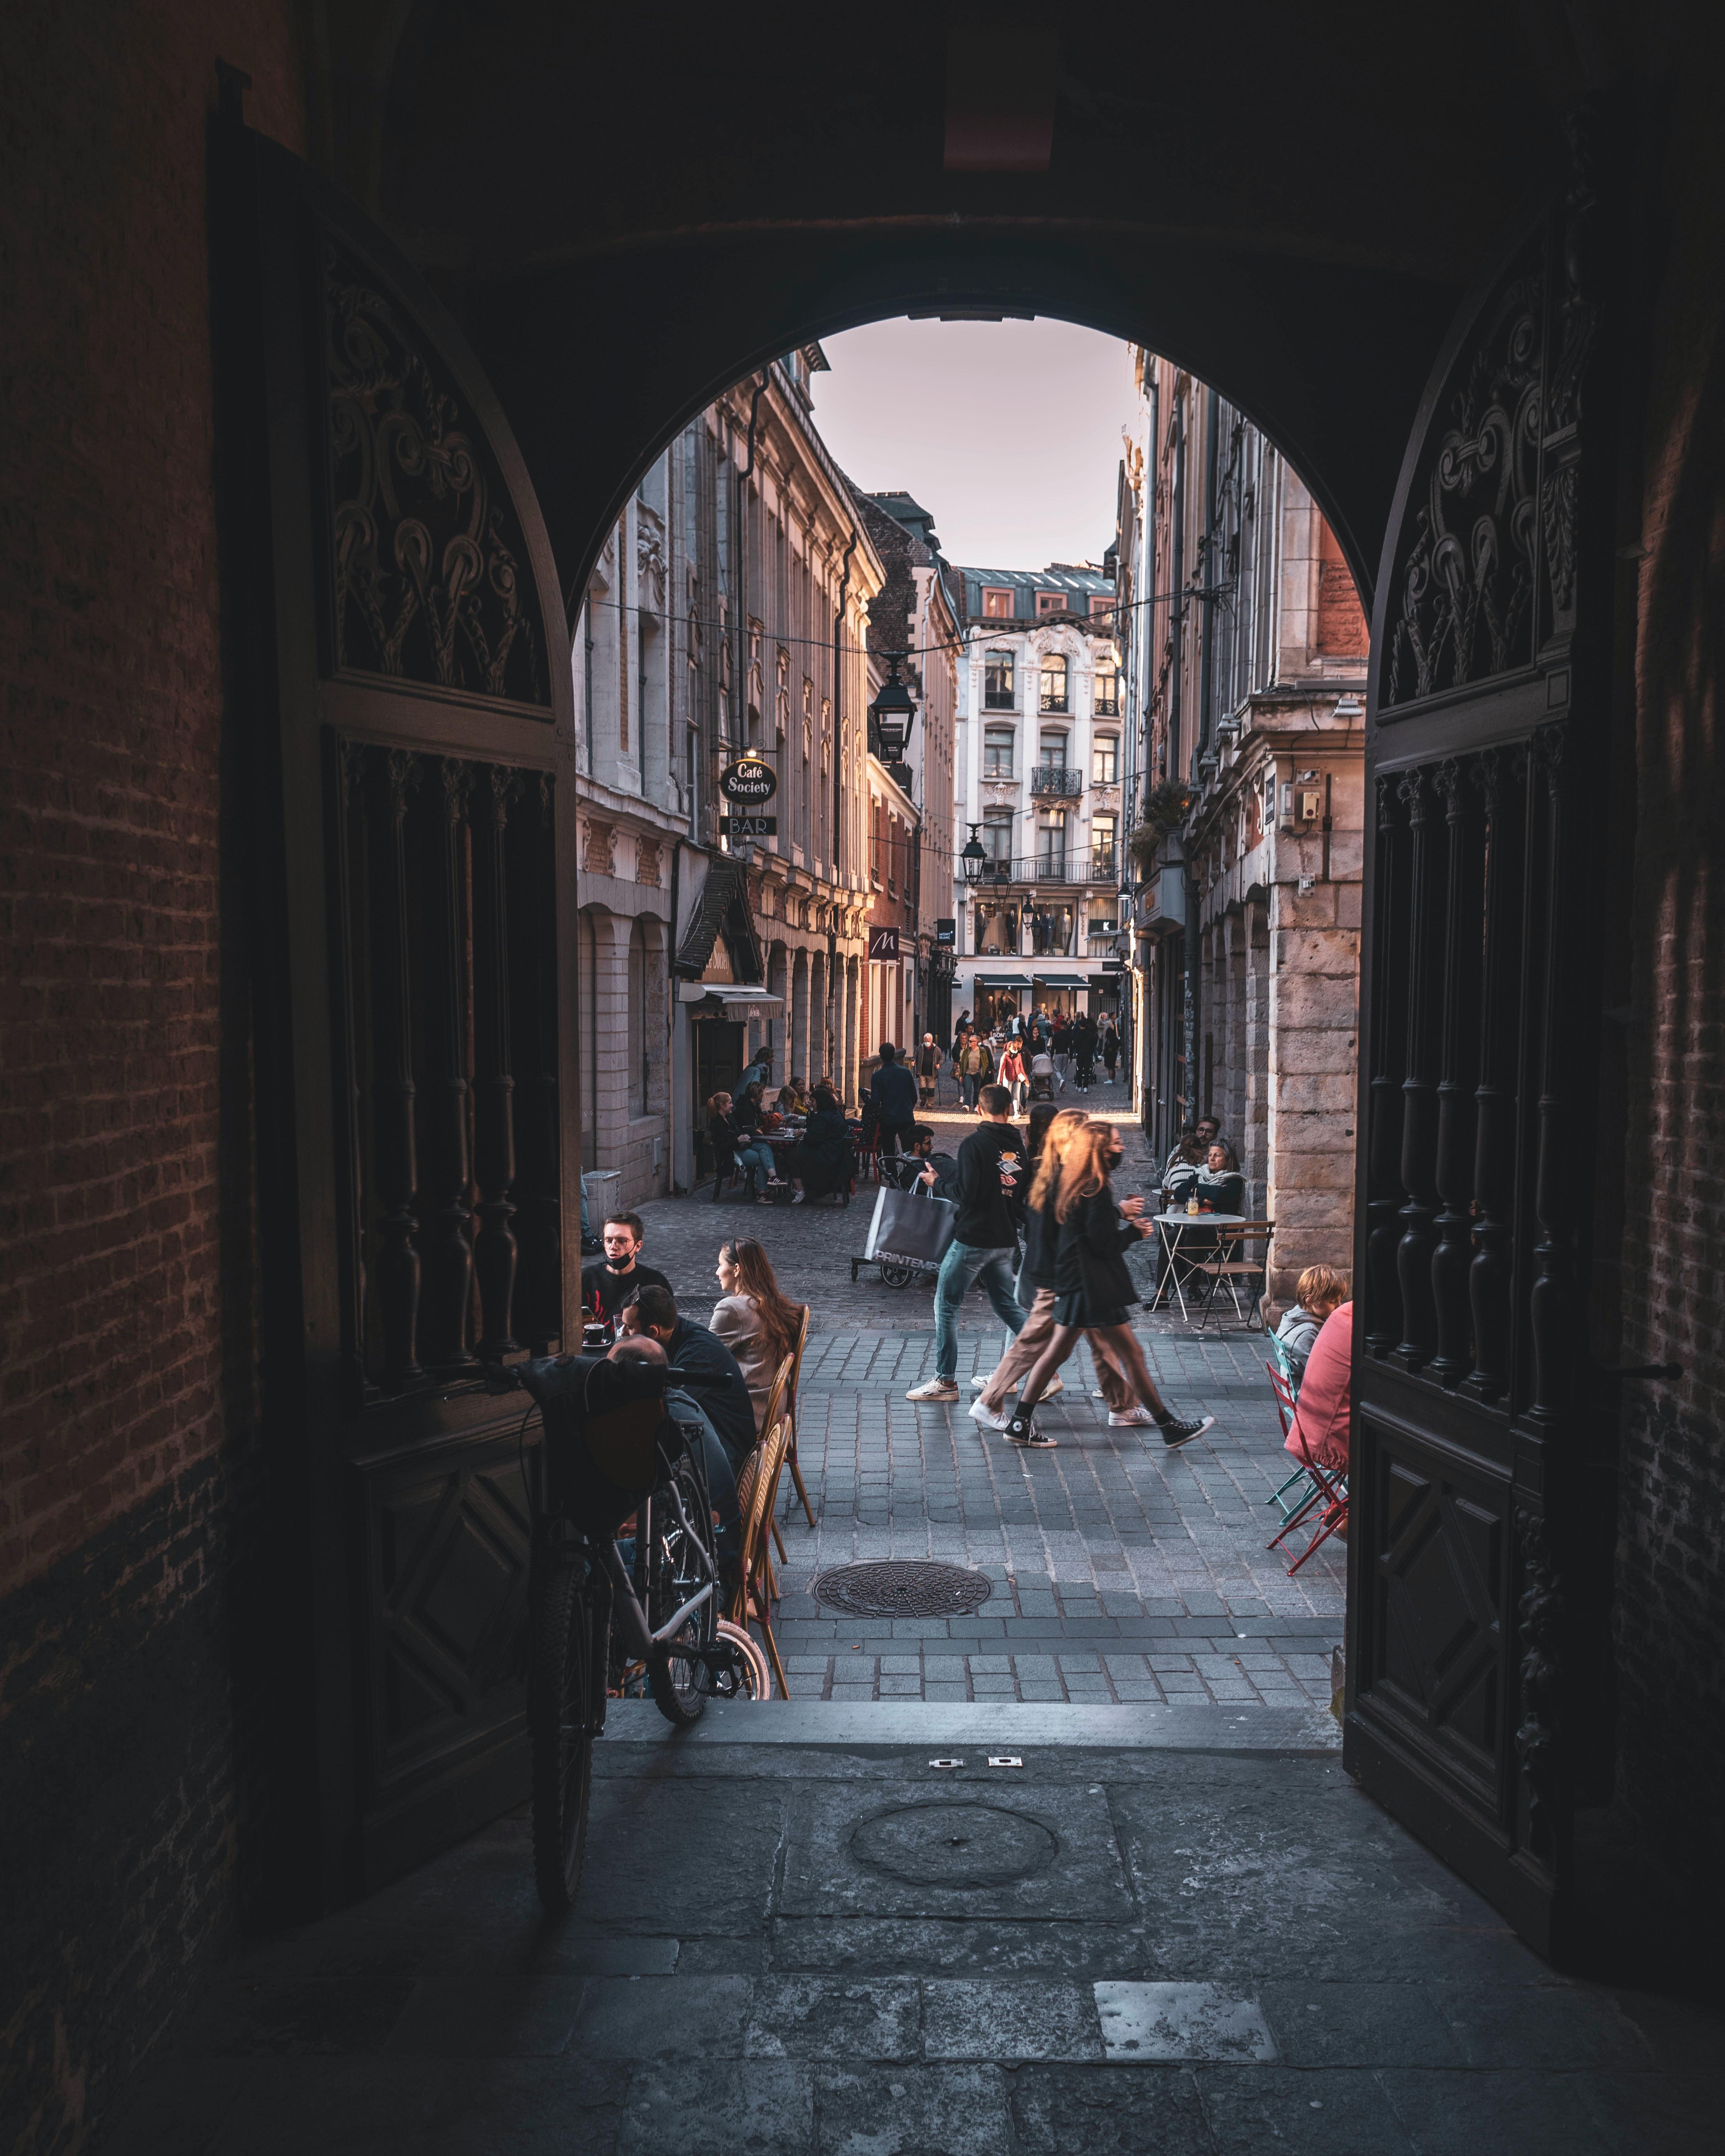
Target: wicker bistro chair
{"x": 783, "y": 1378}
{"x": 1230, "y": 1265}
{"x": 757, "y": 1486}
{"x": 793, "y": 1401}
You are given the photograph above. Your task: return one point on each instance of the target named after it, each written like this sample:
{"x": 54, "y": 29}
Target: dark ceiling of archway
{"x": 628, "y": 207}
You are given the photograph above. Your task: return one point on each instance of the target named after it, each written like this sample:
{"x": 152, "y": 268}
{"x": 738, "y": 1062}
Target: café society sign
{"x": 748, "y": 781}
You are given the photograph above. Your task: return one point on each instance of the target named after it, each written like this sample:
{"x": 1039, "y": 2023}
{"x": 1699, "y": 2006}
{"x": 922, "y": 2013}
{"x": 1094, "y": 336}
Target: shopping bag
{"x": 909, "y": 1227}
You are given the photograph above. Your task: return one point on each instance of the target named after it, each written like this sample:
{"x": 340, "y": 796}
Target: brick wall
{"x": 125, "y": 1313}
{"x": 1670, "y": 1600}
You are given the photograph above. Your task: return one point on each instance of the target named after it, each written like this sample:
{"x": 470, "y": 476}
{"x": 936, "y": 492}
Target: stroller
{"x": 1042, "y": 1069}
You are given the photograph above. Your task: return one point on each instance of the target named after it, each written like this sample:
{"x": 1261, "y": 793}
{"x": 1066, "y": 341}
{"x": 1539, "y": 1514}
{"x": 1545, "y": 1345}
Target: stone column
{"x": 1314, "y": 957}
{"x": 853, "y": 998}
{"x": 798, "y": 1064}
{"x": 610, "y": 1037}
{"x": 777, "y": 1027}
{"x": 1254, "y": 1137}
{"x": 820, "y": 1018}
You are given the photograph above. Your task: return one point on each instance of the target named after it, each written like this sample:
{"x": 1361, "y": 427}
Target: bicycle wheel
{"x": 560, "y": 1720}
{"x": 755, "y": 1677}
{"x": 682, "y": 1564}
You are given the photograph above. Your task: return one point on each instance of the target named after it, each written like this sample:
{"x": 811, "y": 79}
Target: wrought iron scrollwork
{"x": 1465, "y": 582}
{"x": 428, "y": 553}
{"x": 1540, "y": 1609}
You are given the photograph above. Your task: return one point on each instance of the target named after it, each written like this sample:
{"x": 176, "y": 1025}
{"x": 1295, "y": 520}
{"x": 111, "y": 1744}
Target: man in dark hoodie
{"x": 993, "y": 1172}
{"x": 893, "y": 1092}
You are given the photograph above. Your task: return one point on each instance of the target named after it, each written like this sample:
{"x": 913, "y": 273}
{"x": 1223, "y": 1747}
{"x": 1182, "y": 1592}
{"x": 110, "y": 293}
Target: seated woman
{"x": 730, "y": 1141}
{"x": 756, "y": 1320}
{"x": 822, "y": 1162}
{"x": 794, "y": 1098}
{"x": 1221, "y": 1188}
{"x": 1323, "y": 1414}
{"x": 1318, "y": 1291}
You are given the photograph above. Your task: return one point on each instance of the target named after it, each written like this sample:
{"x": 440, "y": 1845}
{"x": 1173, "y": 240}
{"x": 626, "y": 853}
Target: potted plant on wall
{"x": 1163, "y": 811}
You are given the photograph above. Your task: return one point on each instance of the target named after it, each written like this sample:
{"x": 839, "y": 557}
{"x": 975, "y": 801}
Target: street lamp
{"x": 891, "y": 713}
{"x": 974, "y": 855}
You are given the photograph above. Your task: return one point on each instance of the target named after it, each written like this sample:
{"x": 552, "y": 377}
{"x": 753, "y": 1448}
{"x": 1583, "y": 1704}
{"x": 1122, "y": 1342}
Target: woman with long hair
{"x": 822, "y": 1164}
{"x": 1093, "y": 1291}
{"x": 753, "y": 1317}
{"x": 1036, "y": 1285}
{"x": 729, "y": 1138}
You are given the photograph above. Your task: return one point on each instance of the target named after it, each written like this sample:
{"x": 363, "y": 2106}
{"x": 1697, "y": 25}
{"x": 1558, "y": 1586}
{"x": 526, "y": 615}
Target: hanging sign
{"x": 883, "y": 945}
{"x": 946, "y": 933}
{"x": 748, "y": 780}
{"x": 748, "y": 827}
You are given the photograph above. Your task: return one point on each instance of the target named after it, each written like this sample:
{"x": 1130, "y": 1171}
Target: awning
{"x": 1002, "y": 981}
{"x": 736, "y": 995}
{"x": 1060, "y": 981}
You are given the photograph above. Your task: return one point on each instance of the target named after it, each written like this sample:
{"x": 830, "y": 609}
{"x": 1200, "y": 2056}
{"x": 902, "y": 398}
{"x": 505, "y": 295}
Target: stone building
{"x": 1039, "y": 782}
{"x": 726, "y": 615}
{"x": 1247, "y": 651}
{"x": 915, "y": 616}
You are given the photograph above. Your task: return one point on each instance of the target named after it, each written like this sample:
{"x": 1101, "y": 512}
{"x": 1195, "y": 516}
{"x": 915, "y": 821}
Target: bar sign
{"x": 748, "y": 827}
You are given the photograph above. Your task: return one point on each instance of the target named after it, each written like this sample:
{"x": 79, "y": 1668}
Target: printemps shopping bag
{"x": 910, "y": 1228}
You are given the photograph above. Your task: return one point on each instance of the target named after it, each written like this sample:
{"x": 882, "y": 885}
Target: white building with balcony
{"x": 1038, "y": 787}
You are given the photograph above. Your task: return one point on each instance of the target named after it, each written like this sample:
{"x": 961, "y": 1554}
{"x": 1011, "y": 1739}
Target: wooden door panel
{"x": 1480, "y": 1449}
{"x": 421, "y": 711}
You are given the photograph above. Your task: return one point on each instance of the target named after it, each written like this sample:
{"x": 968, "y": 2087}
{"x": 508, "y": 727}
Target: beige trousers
{"x": 1029, "y": 1345}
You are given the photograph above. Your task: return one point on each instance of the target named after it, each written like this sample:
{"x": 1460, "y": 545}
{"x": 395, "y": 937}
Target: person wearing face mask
{"x": 1093, "y": 1289}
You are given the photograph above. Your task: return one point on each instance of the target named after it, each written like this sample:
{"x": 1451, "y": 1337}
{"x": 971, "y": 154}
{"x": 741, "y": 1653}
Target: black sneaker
{"x": 1025, "y": 1432}
{"x": 1175, "y": 1433}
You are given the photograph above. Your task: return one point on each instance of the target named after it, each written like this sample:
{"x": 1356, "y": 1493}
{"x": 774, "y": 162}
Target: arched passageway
{"x": 799, "y": 183}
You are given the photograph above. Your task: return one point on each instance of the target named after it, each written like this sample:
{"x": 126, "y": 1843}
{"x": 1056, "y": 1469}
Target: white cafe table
{"x": 1172, "y": 1228}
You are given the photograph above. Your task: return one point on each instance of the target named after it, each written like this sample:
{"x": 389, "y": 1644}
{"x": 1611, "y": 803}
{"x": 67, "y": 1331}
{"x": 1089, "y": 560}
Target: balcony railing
{"x": 1107, "y": 707}
{"x": 1076, "y": 866}
{"x": 1056, "y": 781}
{"x": 999, "y": 700}
{"x": 1057, "y": 702}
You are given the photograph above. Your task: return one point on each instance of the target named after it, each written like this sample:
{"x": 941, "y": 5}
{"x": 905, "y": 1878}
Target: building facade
{"x": 1039, "y": 786}
{"x": 1245, "y": 655}
{"x": 727, "y": 617}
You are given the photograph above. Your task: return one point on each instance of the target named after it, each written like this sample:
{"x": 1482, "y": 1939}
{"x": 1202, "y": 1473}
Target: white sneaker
{"x": 934, "y": 1389}
{"x": 981, "y": 1385}
{"x": 1127, "y": 1418}
{"x": 990, "y": 1417}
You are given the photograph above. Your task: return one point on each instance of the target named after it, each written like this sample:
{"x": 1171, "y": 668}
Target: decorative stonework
{"x": 647, "y": 861}
{"x": 598, "y": 851}
{"x": 426, "y": 547}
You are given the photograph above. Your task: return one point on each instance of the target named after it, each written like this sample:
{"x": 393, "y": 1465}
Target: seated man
{"x": 936, "y": 1172}
{"x": 618, "y": 1276}
{"x": 716, "y": 1378}
{"x": 715, "y": 1461}
{"x": 1318, "y": 1291}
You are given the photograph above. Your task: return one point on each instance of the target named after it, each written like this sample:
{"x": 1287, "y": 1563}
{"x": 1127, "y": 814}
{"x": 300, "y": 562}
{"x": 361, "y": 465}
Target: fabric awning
{"x": 1002, "y": 981}
{"x": 1060, "y": 981}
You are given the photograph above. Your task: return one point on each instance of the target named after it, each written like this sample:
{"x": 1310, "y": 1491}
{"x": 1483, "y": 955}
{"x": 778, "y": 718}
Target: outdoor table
{"x": 1172, "y": 1228}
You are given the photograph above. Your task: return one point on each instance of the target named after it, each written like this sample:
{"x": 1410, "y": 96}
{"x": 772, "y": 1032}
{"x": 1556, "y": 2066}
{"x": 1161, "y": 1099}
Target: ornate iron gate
{"x": 417, "y": 1138}
{"x": 1480, "y": 1536}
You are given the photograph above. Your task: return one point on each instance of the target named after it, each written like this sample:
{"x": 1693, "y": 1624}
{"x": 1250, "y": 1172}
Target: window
{"x": 999, "y": 691}
{"x": 997, "y": 833}
{"x": 997, "y": 604}
{"x": 782, "y": 697}
{"x": 1053, "y": 603}
{"x": 1102, "y": 836}
{"x": 1051, "y": 842}
{"x": 1054, "y": 683}
{"x": 1104, "y": 759}
{"x": 1051, "y": 932}
{"x": 1053, "y": 748}
{"x": 998, "y": 751}
{"x": 1102, "y": 603}
{"x": 1107, "y": 691}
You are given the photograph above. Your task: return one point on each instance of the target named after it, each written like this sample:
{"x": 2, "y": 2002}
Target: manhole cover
{"x": 953, "y": 1844}
{"x": 905, "y": 1588}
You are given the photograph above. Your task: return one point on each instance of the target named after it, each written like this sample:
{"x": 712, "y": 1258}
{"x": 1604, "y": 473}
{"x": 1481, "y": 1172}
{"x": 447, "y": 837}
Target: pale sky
{"x": 1009, "y": 432}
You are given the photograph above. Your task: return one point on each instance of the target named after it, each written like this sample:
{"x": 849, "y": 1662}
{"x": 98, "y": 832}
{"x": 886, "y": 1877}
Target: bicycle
{"x": 612, "y": 1450}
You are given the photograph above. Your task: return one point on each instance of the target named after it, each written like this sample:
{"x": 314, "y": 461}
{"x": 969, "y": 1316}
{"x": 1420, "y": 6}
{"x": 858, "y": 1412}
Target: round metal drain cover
{"x": 910, "y": 1587}
{"x": 954, "y": 1845}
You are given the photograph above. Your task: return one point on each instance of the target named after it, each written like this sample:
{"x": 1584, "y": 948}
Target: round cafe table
{"x": 1171, "y": 1228}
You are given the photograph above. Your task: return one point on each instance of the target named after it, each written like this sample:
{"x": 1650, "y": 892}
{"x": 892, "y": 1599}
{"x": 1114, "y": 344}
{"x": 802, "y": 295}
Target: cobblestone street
{"x": 1120, "y": 1572}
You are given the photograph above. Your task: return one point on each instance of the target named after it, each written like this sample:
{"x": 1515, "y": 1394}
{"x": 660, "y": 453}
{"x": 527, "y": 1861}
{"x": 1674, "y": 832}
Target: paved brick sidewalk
{"x": 1120, "y": 1572}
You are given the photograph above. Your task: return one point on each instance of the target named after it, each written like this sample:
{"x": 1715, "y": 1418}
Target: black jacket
{"x": 615, "y": 1289}
{"x": 993, "y": 1174}
{"x": 1042, "y": 1243}
{"x": 1092, "y": 1260}
{"x": 698, "y": 1353}
{"x": 1222, "y": 1193}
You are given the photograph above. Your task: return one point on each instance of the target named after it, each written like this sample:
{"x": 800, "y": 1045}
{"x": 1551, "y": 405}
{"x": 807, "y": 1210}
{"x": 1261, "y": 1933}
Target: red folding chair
{"x": 1329, "y": 1489}
{"x": 1300, "y": 1483}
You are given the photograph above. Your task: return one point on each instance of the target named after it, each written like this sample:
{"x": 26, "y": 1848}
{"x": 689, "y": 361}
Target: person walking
{"x": 992, "y": 1177}
{"x": 1061, "y": 1044}
{"x": 1010, "y": 1073}
{"x": 1093, "y": 1289}
{"x": 1111, "y": 1047}
{"x": 975, "y": 1067}
{"x": 1084, "y": 1052}
{"x": 1036, "y": 1277}
{"x": 893, "y": 1091}
{"x": 928, "y": 1064}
